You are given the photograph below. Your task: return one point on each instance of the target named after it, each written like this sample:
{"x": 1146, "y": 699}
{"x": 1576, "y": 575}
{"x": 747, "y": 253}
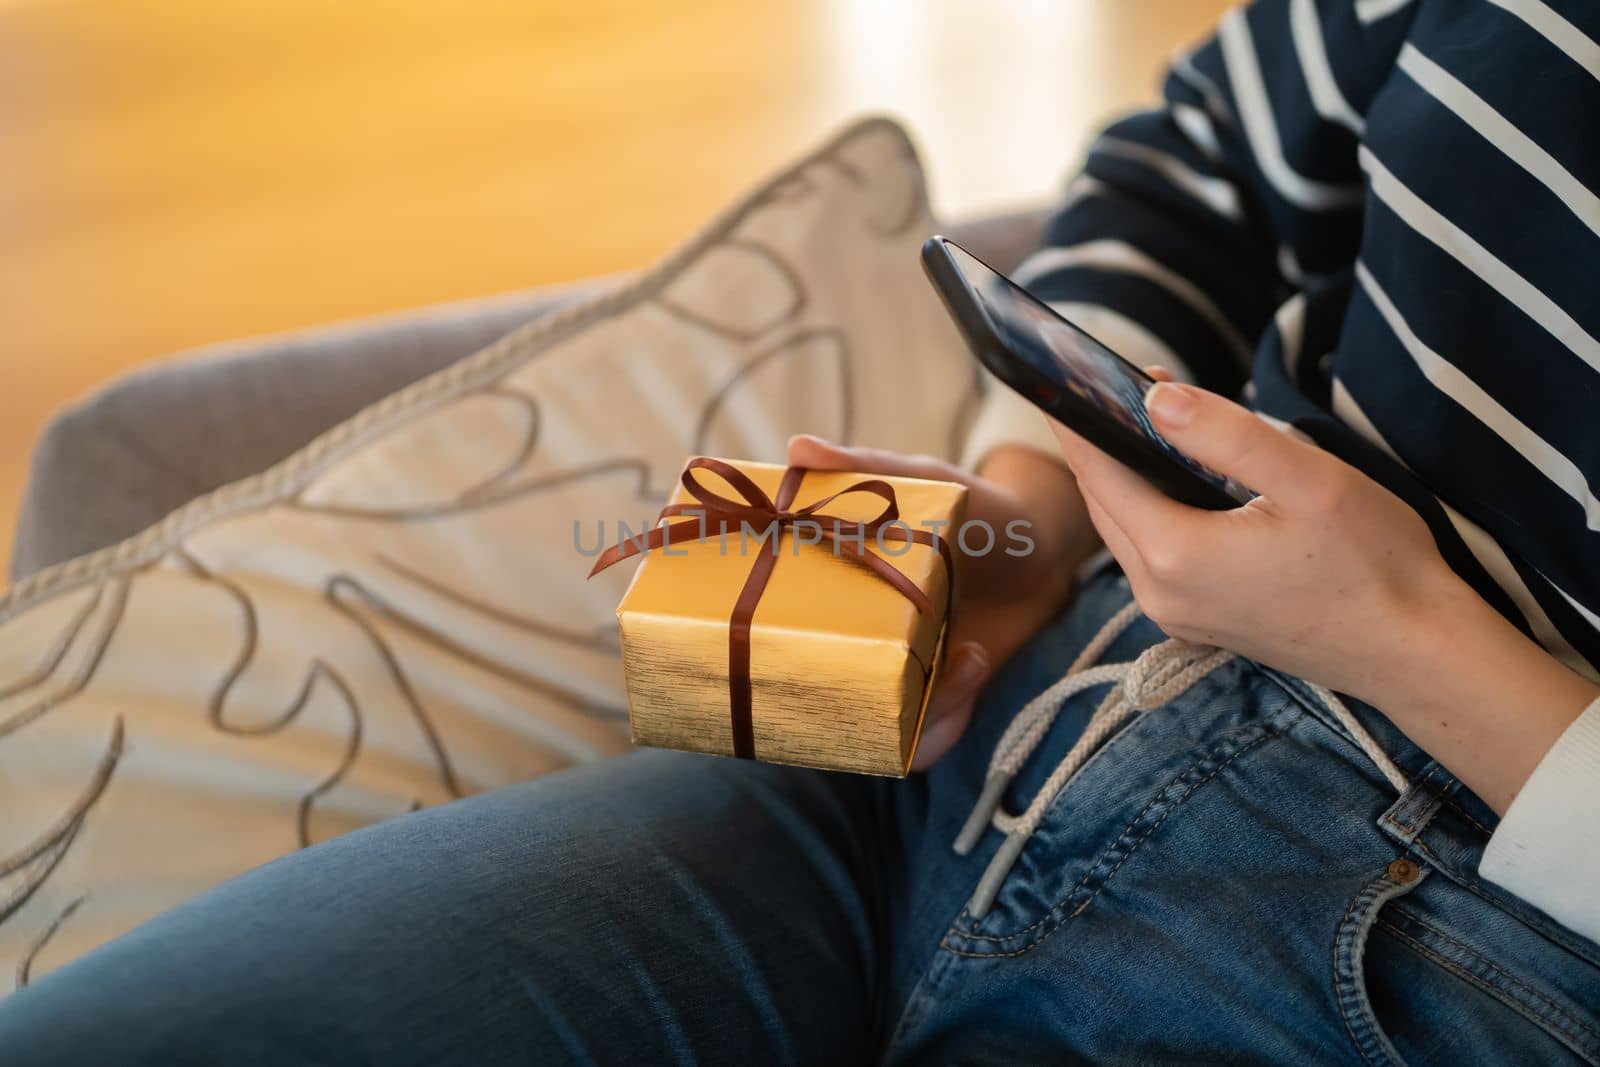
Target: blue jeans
{"x": 1219, "y": 883}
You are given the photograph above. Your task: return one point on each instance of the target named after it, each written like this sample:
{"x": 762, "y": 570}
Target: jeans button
{"x": 1403, "y": 872}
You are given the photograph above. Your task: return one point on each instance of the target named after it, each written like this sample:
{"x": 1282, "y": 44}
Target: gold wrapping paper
{"x": 841, "y": 663}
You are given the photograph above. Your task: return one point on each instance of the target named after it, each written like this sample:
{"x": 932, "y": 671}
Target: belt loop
{"x": 1411, "y": 814}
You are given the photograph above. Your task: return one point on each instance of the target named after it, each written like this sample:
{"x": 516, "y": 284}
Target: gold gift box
{"x": 840, "y": 662}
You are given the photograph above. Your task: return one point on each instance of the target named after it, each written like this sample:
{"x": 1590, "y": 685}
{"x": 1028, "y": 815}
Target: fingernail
{"x": 1171, "y": 403}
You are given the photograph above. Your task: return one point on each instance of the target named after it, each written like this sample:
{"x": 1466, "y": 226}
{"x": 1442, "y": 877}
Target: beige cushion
{"x": 396, "y": 614}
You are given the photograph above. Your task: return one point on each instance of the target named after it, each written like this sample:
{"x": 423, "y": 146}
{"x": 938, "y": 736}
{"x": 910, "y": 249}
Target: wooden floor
{"x": 183, "y": 172}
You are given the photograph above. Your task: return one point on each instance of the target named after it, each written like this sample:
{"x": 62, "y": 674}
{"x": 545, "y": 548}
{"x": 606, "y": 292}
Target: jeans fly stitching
{"x": 1162, "y": 794}
{"x": 1349, "y": 955}
{"x": 1054, "y": 914}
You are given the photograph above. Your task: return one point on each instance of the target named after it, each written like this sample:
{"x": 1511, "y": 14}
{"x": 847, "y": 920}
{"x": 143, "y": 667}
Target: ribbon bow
{"x": 768, "y": 517}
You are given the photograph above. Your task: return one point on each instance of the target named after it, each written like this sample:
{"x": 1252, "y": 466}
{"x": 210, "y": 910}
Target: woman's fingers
{"x": 985, "y": 500}
{"x": 950, "y": 706}
{"x": 1143, "y": 514}
{"x": 806, "y": 450}
{"x": 1233, "y": 440}
{"x": 1074, "y": 449}
{"x": 1115, "y": 537}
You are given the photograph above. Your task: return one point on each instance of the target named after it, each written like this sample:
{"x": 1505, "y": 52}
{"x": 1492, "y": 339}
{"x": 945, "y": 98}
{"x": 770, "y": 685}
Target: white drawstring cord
{"x": 1160, "y": 675}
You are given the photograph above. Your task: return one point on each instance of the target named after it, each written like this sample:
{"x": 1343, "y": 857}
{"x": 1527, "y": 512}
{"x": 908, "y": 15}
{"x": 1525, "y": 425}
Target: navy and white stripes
{"x": 1393, "y": 208}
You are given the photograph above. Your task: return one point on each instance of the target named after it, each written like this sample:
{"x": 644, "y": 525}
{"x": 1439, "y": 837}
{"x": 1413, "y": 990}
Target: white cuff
{"x": 1547, "y": 848}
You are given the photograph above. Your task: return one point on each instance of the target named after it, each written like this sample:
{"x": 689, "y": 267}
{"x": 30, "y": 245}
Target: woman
{"x": 1394, "y": 205}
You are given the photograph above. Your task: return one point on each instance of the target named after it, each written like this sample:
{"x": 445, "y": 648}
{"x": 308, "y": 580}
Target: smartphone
{"x": 1068, "y": 374}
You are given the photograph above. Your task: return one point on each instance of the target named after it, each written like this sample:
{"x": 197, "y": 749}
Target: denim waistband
{"x": 1103, "y": 580}
{"x": 1436, "y": 820}
{"x": 1138, "y": 669}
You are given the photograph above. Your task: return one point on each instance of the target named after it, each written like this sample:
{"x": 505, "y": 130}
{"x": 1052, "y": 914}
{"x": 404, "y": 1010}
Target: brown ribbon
{"x": 769, "y": 516}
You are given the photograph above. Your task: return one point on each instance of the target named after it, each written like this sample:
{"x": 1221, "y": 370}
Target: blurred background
{"x": 178, "y": 172}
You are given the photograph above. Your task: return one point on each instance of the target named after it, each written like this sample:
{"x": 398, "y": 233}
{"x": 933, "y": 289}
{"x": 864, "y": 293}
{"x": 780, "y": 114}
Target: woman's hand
{"x": 1004, "y": 598}
{"x": 1329, "y": 576}
{"x": 1318, "y": 576}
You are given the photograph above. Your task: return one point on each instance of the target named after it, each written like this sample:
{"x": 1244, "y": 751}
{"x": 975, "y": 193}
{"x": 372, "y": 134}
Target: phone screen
{"x": 1070, "y": 360}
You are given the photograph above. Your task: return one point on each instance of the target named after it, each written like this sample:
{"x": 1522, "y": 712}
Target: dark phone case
{"x": 1105, "y": 433}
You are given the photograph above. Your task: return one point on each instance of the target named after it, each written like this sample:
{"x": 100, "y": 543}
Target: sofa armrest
{"x": 151, "y": 441}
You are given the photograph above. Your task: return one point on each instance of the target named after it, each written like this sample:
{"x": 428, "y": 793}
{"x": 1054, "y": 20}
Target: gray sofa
{"x": 149, "y": 442}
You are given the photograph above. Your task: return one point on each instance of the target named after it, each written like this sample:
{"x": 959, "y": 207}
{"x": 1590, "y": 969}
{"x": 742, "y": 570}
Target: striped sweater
{"x": 1379, "y": 219}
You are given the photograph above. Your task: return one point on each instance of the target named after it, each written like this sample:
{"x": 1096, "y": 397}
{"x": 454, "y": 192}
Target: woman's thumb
{"x": 950, "y": 707}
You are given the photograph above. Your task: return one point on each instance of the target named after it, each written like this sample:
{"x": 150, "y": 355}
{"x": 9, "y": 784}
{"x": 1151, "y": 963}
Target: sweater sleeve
{"x": 1192, "y": 222}
{"x": 1547, "y": 848}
